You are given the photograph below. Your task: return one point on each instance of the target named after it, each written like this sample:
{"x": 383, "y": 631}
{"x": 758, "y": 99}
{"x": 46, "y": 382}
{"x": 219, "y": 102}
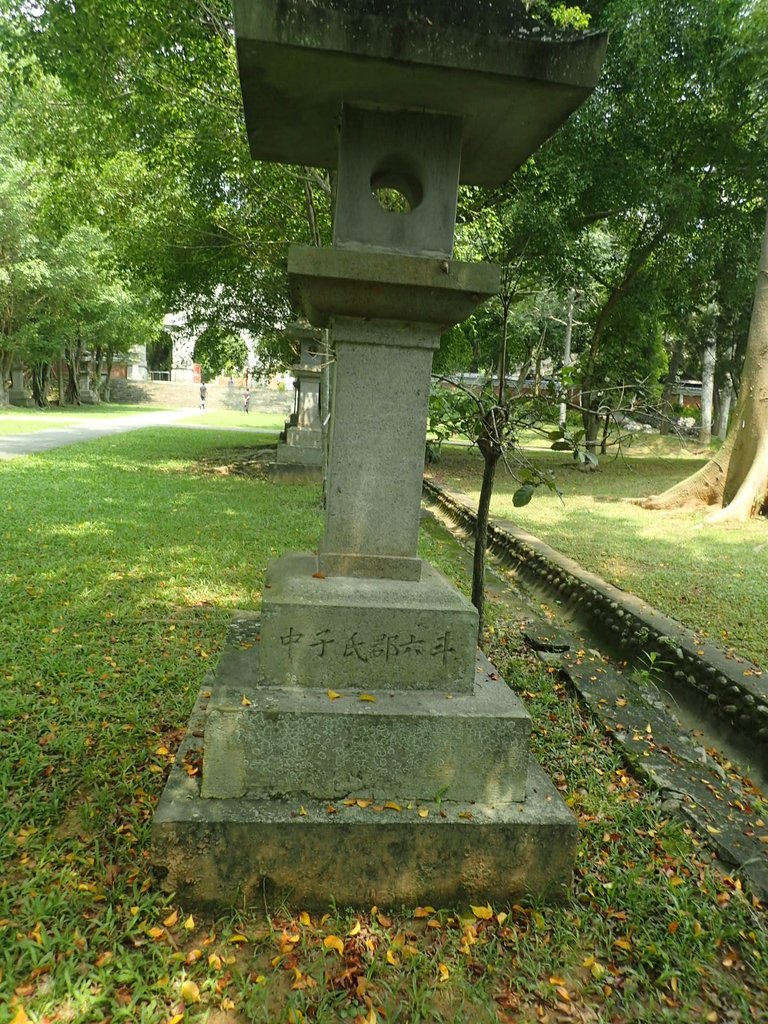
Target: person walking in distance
{"x": 246, "y": 400}
{"x": 203, "y": 393}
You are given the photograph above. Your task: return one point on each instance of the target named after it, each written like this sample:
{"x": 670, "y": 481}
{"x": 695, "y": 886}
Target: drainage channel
{"x": 644, "y": 677}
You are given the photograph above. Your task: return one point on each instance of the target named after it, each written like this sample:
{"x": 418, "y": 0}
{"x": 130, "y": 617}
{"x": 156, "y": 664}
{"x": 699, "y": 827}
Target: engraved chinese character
{"x": 323, "y": 639}
{"x": 355, "y": 646}
{"x": 443, "y": 647}
{"x": 290, "y": 640}
{"x": 385, "y": 646}
{"x": 414, "y": 645}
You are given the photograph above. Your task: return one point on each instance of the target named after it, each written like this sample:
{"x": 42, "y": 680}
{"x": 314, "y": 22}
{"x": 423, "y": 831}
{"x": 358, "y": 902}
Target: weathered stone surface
{"x": 220, "y": 853}
{"x": 368, "y": 284}
{"x": 340, "y": 632}
{"x": 263, "y": 741}
{"x": 422, "y": 166}
{"x": 294, "y": 453}
{"x": 511, "y": 88}
{"x": 376, "y": 456}
{"x": 295, "y": 473}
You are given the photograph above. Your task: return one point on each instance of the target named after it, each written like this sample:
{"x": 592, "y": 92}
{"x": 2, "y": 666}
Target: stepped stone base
{"x": 294, "y": 454}
{"x": 219, "y": 853}
{"x": 267, "y": 741}
{"x": 295, "y": 473}
{"x": 303, "y": 437}
{"x": 378, "y": 843}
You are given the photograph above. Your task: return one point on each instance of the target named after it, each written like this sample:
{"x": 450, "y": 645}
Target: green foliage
{"x": 220, "y": 352}
{"x": 570, "y": 17}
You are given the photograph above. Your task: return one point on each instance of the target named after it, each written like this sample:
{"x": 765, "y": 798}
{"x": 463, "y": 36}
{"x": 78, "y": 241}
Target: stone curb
{"x": 724, "y": 686}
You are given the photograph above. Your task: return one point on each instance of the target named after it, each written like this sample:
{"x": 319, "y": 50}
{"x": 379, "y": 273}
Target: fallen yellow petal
{"x": 333, "y": 695}
{"x": 367, "y": 697}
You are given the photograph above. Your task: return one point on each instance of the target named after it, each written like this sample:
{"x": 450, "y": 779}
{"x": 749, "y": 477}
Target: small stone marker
{"x": 359, "y": 747}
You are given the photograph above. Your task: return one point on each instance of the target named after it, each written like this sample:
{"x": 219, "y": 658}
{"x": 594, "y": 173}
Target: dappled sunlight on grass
{"x": 116, "y": 588}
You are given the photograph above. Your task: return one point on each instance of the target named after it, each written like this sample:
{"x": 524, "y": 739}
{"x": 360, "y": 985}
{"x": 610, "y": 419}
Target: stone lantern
{"x": 358, "y": 746}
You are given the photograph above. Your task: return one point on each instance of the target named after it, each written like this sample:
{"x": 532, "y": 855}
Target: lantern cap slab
{"x": 330, "y": 283}
{"x": 486, "y": 63}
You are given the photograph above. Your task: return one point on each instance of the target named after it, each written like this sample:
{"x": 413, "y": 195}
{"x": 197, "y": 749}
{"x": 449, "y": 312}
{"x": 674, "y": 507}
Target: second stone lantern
{"x": 365, "y": 750}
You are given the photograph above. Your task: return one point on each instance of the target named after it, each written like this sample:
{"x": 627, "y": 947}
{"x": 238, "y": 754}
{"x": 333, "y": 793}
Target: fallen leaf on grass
{"x": 190, "y": 992}
{"x": 424, "y": 912}
{"x": 171, "y": 920}
{"x": 334, "y": 942}
{"x": 333, "y": 695}
{"x": 483, "y": 913}
{"x": 369, "y": 697}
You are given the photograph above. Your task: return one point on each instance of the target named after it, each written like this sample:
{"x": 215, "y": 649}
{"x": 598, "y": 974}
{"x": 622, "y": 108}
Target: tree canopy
{"x": 647, "y": 205}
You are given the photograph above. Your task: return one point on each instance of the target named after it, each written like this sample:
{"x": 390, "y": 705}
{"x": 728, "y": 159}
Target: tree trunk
{"x": 606, "y": 432}
{"x": 669, "y": 387}
{"x": 567, "y": 348}
{"x": 41, "y": 381}
{"x": 708, "y": 360}
{"x": 736, "y": 479}
{"x": 73, "y": 357}
{"x": 591, "y": 419}
{"x": 6, "y": 362}
{"x": 105, "y": 386}
{"x": 60, "y": 380}
{"x": 490, "y": 444}
{"x": 481, "y": 541}
{"x": 724, "y": 396}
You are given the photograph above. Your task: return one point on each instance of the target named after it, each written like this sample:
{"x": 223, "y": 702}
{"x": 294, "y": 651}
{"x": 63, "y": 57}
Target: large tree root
{"x": 700, "y": 490}
{"x": 752, "y": 495}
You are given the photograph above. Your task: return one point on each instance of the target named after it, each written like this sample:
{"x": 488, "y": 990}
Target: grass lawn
{"x": 122, "y": 561}
{"x": 252, "y": 420}
{"x": 30, "y": 421}
{"x": 710, "y": 578}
